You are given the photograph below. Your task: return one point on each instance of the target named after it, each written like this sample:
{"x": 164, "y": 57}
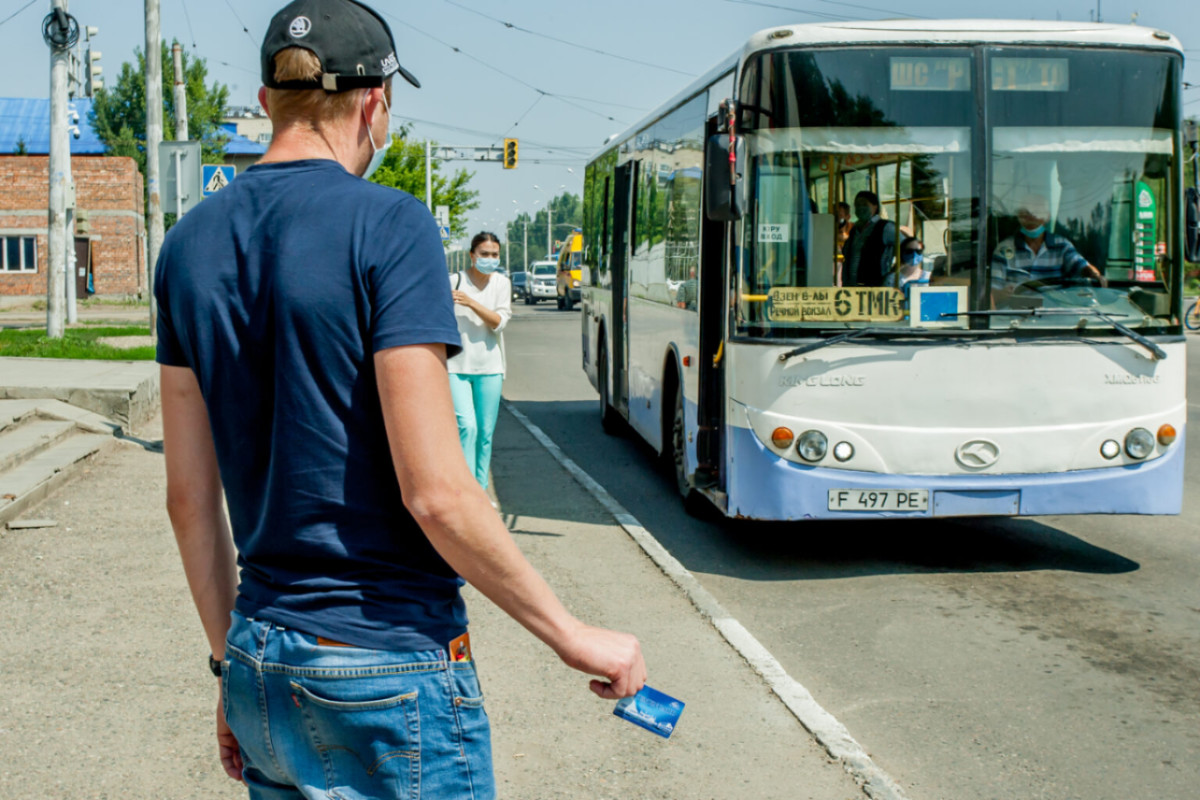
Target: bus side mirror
{"x": 724, "y": 194}
{"x": 1191, "y": 240}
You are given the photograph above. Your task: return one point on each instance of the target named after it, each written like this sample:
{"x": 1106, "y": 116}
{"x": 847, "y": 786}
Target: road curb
{"x": 831, "y": 734}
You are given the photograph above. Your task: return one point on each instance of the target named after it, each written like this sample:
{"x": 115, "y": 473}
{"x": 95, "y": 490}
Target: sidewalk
{"x": 107, "y": 693}
{"x": 25, "y": 316}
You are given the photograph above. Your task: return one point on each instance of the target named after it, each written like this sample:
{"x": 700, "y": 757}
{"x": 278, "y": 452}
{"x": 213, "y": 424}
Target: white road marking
{"x": 825, "y": 728}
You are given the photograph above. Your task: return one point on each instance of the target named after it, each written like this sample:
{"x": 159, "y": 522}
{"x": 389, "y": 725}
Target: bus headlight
{"x": 1139, "y": 443}
{"x": 575, "y": 284}
{"x": 1110, "y": 449}
{"x": 843, "y": 451}
{"x": 812, "y": 445}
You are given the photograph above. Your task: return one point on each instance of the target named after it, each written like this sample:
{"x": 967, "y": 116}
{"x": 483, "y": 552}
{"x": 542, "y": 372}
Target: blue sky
{"x": 467, "y": 92}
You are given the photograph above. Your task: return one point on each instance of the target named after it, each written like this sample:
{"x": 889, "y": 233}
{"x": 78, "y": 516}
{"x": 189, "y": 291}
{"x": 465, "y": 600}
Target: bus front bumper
{"x": 764, "y": 486}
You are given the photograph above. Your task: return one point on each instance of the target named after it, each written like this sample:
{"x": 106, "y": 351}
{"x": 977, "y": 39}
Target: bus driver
{"x": 1036, "y": 254}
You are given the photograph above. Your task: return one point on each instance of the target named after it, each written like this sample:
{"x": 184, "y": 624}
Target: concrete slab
{"x": 123, "y": 391}
{"x": 33, "y": 479}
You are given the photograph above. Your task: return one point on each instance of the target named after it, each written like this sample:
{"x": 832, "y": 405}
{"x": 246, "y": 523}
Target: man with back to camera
{"x": 1036, "y": 254}
{"x": 305, "y": 319}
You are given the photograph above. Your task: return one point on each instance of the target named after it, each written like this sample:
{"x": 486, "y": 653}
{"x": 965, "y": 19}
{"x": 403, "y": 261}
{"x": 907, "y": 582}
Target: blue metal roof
{"x": 28, "y": 119}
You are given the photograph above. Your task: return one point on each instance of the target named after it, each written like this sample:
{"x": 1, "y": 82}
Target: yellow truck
{"x": 570, "y": 273}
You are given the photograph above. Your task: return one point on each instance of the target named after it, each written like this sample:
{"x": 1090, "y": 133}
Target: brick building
{"x": 110, "y": 228}
{"x": 109, "y": 225}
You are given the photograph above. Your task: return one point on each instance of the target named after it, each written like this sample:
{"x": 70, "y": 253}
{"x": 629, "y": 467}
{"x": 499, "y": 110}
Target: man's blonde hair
{"x": 309, "y": 107}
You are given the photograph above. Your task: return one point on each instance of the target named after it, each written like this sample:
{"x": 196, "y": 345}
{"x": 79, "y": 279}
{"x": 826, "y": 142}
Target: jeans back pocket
{"x": 367, "y": 732}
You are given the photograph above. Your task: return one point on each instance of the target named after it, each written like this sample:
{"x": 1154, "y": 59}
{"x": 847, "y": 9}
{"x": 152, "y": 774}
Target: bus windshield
{"x": 958, "y": 187}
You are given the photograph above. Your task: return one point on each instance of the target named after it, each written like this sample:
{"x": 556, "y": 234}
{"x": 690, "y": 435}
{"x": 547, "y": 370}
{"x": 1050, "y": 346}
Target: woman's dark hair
{"x": 870, "y": 197}
{"x": 911, "y": 240}
{"x": 483, "y": 236}
{"x": 844, "y": 206}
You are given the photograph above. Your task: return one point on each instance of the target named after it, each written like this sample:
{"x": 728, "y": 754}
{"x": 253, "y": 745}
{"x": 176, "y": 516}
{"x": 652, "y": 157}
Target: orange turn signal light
{"x": 782, "y": 438}
{"x": 1166, "y": 435}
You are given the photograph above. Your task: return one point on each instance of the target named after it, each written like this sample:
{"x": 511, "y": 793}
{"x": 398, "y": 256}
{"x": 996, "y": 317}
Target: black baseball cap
{"x": 352, "y": 42}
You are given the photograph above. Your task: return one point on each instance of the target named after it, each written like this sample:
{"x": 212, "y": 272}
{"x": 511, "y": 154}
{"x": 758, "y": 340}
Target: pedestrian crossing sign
{"x": 216, "y": 177}
{"x": 445, "y": 229}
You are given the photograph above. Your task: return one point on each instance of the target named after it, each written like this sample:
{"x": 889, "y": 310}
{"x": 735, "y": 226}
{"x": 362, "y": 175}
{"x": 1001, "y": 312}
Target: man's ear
{"x": 262, "y": 99}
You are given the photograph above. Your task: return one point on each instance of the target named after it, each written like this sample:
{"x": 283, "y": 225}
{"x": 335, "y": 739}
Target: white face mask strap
{"x": 386, "y": 109}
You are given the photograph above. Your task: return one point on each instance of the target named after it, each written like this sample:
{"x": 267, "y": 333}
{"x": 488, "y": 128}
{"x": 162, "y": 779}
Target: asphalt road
{"x": 1055, "y": 657}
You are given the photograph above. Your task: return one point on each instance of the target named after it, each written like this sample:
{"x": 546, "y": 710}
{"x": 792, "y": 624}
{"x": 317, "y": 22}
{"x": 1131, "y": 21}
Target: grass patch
{"x": 76, "y": 343}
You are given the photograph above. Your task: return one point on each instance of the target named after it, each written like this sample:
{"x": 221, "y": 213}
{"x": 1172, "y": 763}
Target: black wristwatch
{"x": 214, "y": 665}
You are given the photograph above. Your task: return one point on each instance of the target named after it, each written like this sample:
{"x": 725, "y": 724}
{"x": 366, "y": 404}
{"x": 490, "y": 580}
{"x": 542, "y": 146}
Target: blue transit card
{"x": 651, "y": 709}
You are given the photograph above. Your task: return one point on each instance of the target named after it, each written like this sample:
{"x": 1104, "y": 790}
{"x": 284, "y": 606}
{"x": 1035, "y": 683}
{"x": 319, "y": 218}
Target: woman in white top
{"x": 482, "y": 307}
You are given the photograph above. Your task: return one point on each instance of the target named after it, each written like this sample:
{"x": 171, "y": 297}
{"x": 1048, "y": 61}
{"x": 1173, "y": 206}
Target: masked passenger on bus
{"x": 870, "y": 246}
{"x": 1036, "y": 254}
{"x": 912, "y": 269}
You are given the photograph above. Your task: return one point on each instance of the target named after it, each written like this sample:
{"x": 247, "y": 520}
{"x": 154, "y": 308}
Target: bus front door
{"x": 619, "y": 271}
{"x": 710, "y": 408}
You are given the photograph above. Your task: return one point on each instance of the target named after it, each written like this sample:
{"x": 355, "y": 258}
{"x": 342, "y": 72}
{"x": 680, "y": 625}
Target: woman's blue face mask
{"x": 1033, "y": 233}
{"x": 487, "y": 265}
{"x": 913, "y": 257}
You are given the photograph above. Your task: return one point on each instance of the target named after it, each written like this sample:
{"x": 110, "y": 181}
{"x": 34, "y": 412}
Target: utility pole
{"x": 181, "y": 112}
{"x": 154, "y": 135}
{"x": 525, "y": 246}
{"x": 61, "y": 32}
{"x": 549, "y": 229}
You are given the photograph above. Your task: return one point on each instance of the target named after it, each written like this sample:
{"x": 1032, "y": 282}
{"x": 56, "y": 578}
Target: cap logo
{"x": 389, "y": 64}
{"x": 300, "y": 27}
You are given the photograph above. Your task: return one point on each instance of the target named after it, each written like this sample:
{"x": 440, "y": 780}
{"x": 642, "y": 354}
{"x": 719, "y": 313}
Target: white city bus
{"x": 1039, "y": 373}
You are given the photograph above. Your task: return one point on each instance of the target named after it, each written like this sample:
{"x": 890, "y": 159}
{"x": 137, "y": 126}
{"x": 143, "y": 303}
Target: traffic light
{"x": 510, "y": 153}
{"x": 92, "y": 82}
{"x": 91, "y": 66}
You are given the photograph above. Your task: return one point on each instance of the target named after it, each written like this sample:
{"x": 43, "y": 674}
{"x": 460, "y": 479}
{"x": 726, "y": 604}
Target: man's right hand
{"x": 610, "y": 654}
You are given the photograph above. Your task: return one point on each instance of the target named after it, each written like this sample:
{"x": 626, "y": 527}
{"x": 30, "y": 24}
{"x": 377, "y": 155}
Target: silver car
{"x": 541, "y": 282}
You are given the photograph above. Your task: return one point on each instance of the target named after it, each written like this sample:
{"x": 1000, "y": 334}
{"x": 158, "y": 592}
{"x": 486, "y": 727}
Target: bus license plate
{"x": 878, "y": 499}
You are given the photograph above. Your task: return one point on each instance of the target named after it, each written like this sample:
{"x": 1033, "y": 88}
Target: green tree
{"x": 404, "y": 168}
{"x": 119, "y": 114}
{"x": 567, "y": 211}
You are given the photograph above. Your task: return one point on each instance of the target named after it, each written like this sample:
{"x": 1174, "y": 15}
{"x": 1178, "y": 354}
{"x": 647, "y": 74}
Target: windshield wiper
{"x": 845, "y": 337}
{"x": 1120, "y": 327}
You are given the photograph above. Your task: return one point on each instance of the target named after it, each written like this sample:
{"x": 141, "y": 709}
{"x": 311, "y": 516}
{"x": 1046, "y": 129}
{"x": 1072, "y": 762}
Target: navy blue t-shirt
{"x": 277, "y": 292}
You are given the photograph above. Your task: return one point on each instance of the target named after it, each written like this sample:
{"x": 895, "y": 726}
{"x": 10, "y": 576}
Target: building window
{"x": 18, "y": 253}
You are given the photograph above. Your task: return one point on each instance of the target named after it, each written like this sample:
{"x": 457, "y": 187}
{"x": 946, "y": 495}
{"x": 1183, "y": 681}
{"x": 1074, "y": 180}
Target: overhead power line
{"x": 817, "y": 14}
{"x": 526, "y": 144}
{"x": 577, "y": 45}
{"x": 18, "y": 11}
{"x": 560, "y": 98}
{"x": 239, "y": 21}
{"x": 188, "y": 17}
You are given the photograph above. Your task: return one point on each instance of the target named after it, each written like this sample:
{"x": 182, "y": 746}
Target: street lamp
{"x": 549, "y": 219}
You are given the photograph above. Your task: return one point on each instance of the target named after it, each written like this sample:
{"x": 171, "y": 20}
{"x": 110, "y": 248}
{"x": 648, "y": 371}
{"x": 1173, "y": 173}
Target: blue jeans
{"x": 346, "y": 723}
{"x": 476, "y": 405}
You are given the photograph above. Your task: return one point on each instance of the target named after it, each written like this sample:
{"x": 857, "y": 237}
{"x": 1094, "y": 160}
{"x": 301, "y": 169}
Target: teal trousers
{"x": 476, "y": 405}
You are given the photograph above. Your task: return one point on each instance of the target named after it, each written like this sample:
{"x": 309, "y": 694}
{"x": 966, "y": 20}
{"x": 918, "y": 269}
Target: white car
{"x": 542, "y": 281}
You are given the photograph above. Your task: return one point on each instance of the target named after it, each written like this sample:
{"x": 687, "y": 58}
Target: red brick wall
{"x": 108, "y": 191}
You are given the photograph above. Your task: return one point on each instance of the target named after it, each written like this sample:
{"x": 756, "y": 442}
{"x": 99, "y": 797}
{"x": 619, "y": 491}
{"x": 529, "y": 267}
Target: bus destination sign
{"x": 836, "y": 304}
{"x": 930, "y": 74}
{"x": 1030, "y": 75}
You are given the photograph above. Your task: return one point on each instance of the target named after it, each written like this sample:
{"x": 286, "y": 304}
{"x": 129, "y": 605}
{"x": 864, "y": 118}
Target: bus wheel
{"x": 609, "y": 421}
{"x": 679, "y": 445}
{"x": 568, "y": 303}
